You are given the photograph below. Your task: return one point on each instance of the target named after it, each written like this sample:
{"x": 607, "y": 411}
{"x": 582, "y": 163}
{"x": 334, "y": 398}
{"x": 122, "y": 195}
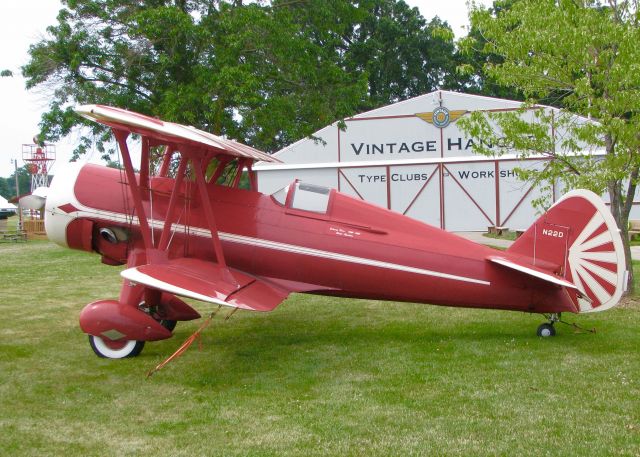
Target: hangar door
{"x": 453, "y": 196}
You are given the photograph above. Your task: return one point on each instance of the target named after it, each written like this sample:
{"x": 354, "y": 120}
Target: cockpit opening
{"x": 310, "y": 197}
{"x": 306, "y": 197}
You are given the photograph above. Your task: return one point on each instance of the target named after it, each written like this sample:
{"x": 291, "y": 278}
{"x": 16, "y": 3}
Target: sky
{"x": 24, "y": 22}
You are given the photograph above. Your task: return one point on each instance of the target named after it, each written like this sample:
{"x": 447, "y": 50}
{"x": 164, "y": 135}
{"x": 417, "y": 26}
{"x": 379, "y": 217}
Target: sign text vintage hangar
{"x": 411, "y": 157}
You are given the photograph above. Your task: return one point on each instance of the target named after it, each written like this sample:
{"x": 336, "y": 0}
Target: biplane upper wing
{"x": 208, "y": 282}
{"x": 169, "y": 132}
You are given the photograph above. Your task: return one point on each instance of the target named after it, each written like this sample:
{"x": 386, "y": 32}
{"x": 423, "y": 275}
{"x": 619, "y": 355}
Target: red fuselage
{"x": 350, "y": 248}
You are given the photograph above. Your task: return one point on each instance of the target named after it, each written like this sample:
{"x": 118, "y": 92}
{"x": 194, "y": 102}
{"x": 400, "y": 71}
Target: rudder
{"x": 578, "y": 239}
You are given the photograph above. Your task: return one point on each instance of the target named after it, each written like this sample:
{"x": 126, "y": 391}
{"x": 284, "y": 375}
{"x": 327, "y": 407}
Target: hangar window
{"x": 309, "y": 197}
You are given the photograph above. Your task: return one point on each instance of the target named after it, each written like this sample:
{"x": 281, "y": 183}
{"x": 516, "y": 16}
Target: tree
{"x": 248, "y": 71}
{"x": 8, "y": 185}
{"x": 581, "y": 55}
{"x": 401, "y": 53}
{"x": 5, "y": 190}
{"x": 470, "y": 77}
{"x": 268, "y": 74}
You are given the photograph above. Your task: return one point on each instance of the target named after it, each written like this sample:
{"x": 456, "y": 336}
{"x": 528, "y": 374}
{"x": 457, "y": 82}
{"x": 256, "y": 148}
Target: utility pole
{"x": 15, "y": 163}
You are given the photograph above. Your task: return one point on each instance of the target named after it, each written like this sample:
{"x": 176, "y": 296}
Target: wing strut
{"x": 144, "y": 169}
{"x": 173, "y": 200}
{"x": 238, "y": 176}
{"x": 206, "y": 203}
{"x": 222, "y": 163}
{"x": 145, "y": 230}
{"x": 166, "y": 161}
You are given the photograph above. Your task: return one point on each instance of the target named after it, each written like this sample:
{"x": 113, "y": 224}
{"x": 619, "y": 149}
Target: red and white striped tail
{"x": 579, "y": 235}
{"x": 596, "y": 256}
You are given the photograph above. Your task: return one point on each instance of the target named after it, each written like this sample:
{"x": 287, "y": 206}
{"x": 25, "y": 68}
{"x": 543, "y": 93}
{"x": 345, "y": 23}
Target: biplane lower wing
{"x": 208, "y": 282}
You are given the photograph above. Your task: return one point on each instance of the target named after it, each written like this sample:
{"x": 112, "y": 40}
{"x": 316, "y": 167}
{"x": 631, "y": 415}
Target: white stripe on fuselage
{"x": 267, "y": 244}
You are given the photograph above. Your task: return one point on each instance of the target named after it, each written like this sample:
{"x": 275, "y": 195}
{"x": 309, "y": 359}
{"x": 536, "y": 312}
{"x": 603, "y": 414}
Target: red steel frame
{"x": 424, "y": 186}
{"x": 473, "y": 200}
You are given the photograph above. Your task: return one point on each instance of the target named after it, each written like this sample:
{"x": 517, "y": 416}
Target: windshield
{"x": 309, "y": 197}
{"x": 280, "y": 196}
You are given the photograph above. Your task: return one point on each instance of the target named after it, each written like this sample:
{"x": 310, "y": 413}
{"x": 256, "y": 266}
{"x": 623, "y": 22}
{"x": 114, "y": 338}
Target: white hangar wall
{"x": 412, "y": 158}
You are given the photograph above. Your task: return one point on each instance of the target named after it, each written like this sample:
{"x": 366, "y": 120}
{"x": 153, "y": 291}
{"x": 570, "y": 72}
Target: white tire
{"x": 115, "y": 349}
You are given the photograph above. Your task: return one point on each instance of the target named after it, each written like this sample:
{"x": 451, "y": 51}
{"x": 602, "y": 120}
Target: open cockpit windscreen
{"x": 306, "y": 197}
{"x": 310, "y": 197}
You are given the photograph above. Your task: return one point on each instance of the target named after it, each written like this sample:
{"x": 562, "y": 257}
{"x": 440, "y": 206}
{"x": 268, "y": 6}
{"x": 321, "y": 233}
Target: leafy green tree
{"x": 401, "y": 53}
{"x": 8, "y": 185}
{"x": 471, "y": 57}
{"x": 282, "y": 82}
{"x": 582, "y": 55}
{"x": 4, "y": 188}
{"x": 114, "y": 164}
{"x": 266, "y": 73}
{"x": 248, "y": 71}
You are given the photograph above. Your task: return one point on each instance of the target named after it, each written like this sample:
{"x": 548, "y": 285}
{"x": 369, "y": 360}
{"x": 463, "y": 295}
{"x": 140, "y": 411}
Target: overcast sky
{"x": 23, "y": 22}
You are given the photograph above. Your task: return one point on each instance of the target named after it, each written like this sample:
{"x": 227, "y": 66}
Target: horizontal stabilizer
{"x": 532, "y": 271}
{"x": 208, "y": 282}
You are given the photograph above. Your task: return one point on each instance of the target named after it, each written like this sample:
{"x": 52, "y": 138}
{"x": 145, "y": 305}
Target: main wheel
{"x": 115, "y": 349}
{"x": 546, "y": 330}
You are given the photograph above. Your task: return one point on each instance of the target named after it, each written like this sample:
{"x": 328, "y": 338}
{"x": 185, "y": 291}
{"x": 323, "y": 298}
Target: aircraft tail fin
{"x": 578, "y": 240}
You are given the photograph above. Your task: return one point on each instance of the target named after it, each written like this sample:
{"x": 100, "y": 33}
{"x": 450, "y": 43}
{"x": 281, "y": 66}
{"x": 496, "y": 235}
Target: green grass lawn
{"x": 318, "y": 376}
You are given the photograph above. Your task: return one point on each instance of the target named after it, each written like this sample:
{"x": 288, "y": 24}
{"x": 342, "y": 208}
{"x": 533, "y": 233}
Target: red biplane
{"x": 189, "y": 230}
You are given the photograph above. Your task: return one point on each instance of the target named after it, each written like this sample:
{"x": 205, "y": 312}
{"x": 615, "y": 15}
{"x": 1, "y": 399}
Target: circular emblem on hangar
{"x": 441, "y": 117}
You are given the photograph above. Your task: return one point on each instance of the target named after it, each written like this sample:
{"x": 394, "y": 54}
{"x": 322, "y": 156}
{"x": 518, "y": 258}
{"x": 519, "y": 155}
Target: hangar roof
{"x": 422, "y": 129}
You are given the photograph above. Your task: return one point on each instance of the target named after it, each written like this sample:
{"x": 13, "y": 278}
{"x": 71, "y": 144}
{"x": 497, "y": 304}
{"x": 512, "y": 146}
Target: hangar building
{"x": 412, "y": 158}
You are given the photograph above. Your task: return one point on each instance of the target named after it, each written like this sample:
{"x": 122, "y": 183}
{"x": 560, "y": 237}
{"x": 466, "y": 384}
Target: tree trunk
{"x": 620, "y": 211}
{"x": 621, "y": 208}
{"x": 624, "y": 233}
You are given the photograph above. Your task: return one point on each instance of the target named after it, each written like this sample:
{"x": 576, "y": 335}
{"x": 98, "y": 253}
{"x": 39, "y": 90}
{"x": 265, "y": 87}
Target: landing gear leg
{"x": 153, "y": 311}
{"x": 547, "y": 329}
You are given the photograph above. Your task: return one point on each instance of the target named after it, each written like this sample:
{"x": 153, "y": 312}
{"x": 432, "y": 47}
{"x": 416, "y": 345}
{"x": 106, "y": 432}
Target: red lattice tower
{"x": 39, "y": 159}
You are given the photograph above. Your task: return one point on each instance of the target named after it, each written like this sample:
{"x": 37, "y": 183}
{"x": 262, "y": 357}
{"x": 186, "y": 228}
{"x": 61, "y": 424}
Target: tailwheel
{"x": 546, "y": 330}
{"x": 109, "y": 349}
